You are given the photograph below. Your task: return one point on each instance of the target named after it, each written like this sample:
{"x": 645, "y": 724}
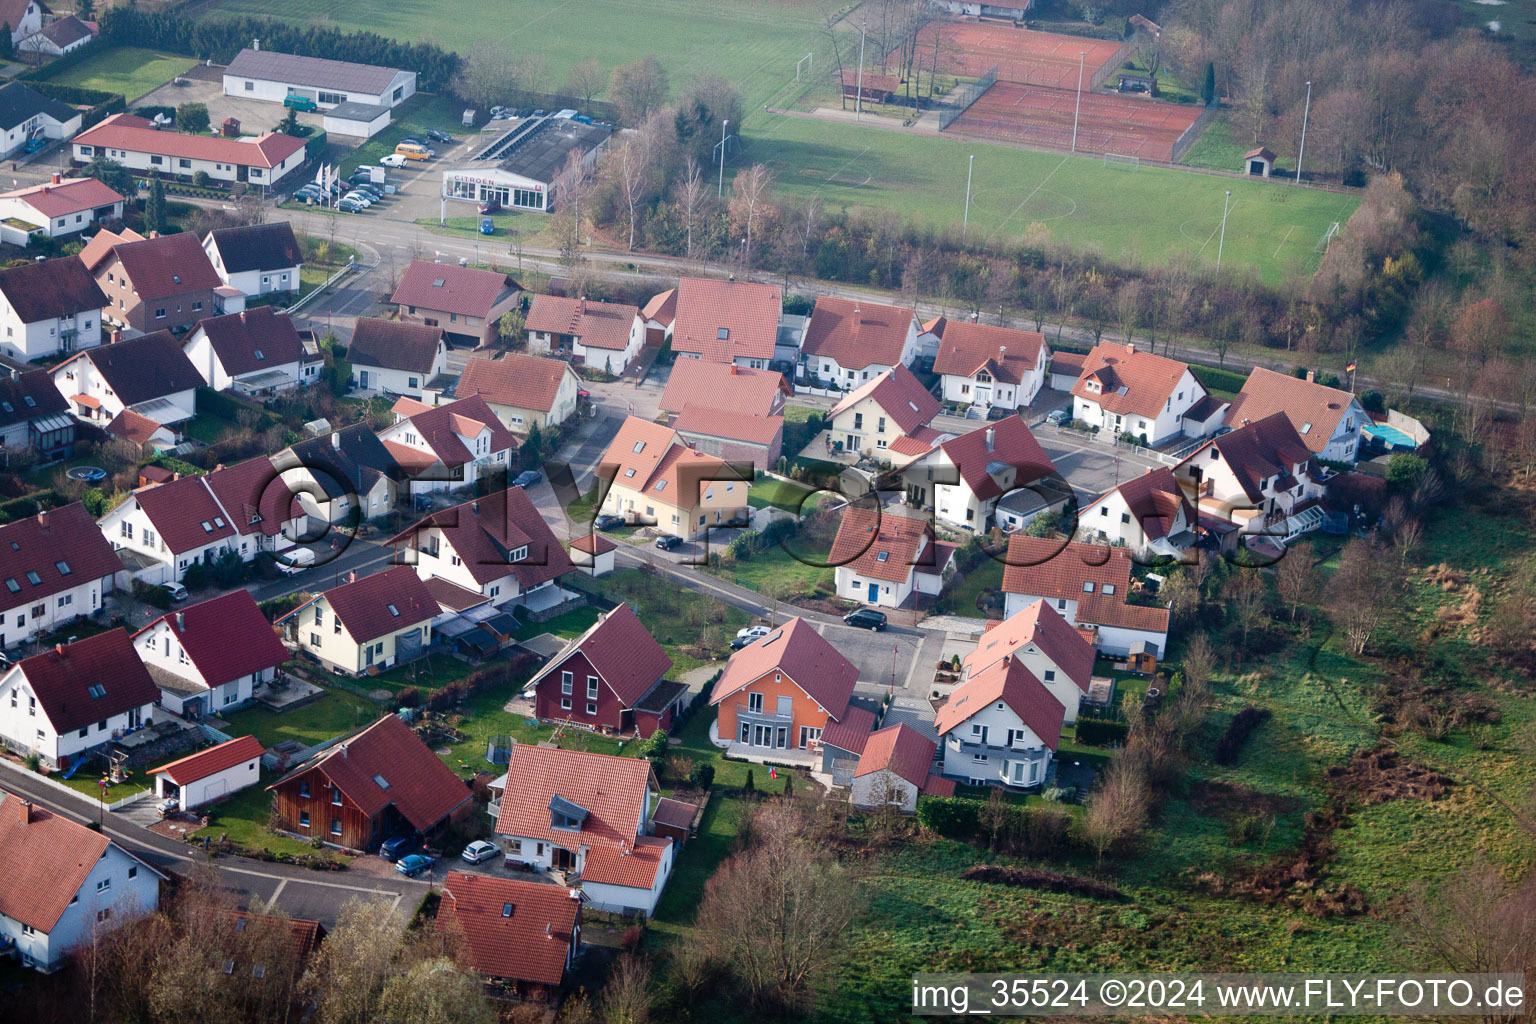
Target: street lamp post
{"x": 720, "y": 192}
{"x": 1222, "y": 244}
{"x": 858, "y": 102}
{"x": 965, "y": 225}
{"x": 1305, "y": 113}
{"x": 1081, "y": 57}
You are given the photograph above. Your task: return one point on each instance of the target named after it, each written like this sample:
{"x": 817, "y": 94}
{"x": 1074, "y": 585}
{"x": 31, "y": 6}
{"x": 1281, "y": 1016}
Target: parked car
{"x": 478, "y": 852}
{"x": 667, "y": 542}
{"x": 396, "y": 847}
{"x": 487, "y": 226}
{"x": 415, "y": 140}
{"x": 490, "y": 206}
{"x": 438, "y": 135}
{"x": 392, "y": 160}
{"x": 413, "y": 151}
{"x": 866, "y": 618}
{"x": 1056, "y": 417}
{"x": 413, "y": 865}
{"x": 753, "y": 632}
{"x": 362, "y": 199}
{"x": 370, "y": 189}
{"x": 295, "y": 560}
{"x": 349, "y": 206}
{"x": 527, "y": 478}
{"x": 300, "y": 103}
{"x": 176, "y": 590}
{"x": 607, "y": 522}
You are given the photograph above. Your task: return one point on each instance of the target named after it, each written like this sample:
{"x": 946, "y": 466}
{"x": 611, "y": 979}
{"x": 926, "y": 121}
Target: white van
{"x": 295, "y": 560}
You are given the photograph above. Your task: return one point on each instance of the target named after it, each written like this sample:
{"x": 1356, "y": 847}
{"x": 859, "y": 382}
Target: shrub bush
{"x": 195, "y": 576}
{"x": 409, "y": 697}
{"x": 157, "y": 596}
{"x": 1039, "y": 878}
{"x": 702, "y": 775}
{"x": 1238, "y": 731}
{"x": 952, "y": 816}
{"x": 1219, "y": 380}
{"x": 1100, "y": 732}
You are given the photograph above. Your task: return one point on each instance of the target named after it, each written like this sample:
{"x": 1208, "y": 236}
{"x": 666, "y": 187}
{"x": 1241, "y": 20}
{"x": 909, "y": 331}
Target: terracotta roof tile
{"x": 636, "y": 451}
{"x": 226, "y": 637}
{"x": 125, "y": 131}
{"x": 593, "y": 544}
{"x": 393, "y": 345}
{"x": 251, "y": 340}
{"x": 1012, "y": 683}
{"x": 883, "y": 546}
{"x": 621, "y": 650}
{"x": 441, "y": 428}
{"x": 1009, "y": 355}
{"x": 676, "y": 813}
{"x": 990, "y": 450}
{"x": 751, "y": 428}
{"x": 899, "y": 749}
{"x": 485, "y": 531}
{"x": 634, "y": 866}
{"x": 63, "y": 679}
{"x": 1303, "y": 402}
{"x": 720, "y": 386}
{"x": 218, "y": 758}
{"x": 100, "y": 245}
{"x": 56, "y": 287}
{"x": 612, "y": 790}
{"x": 515, "y": 929}
{"x": 453, "y": 598}
{"x": 1042, "y": 626}
{"x": 851, "y": 732}
{"x": 363, "y": 605}
{"x": 746, "y": 312}
{"x": 857, "y": 334}
{"x": 604, "y": 325}
{"x": 47, "y": 544}
{"x": 900, "y": 394}
{"x": 1057, "y": 571}
{"x": 515, "y": 380}
{"x": 185, "y": 514}
{"x": 662, "y": 307}
{"x": 453, "y": 289}
{"x": 804, "y": 656}
{"x": 1130, "y": 381}
{"x": 46, "y": 862}
{"x": 130, "y": 426}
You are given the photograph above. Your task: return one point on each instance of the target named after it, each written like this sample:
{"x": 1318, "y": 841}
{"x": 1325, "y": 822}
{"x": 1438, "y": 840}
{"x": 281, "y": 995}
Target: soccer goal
{"x": 1130, "y": 163}
{"x": 1328, "y": 236}
{"x": 809, "y": 62}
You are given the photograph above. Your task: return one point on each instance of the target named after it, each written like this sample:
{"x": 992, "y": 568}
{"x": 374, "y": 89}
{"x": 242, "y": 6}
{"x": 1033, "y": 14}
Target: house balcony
{"x": 762, "y": 716}
{"x": 996, "y": 749}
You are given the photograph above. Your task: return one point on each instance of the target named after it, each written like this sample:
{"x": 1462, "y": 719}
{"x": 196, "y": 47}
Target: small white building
{"x": 896, "y": 765}
{"x": 258, "y": 258}
{"x": 356, "y": 120}
{"x": 135, "y": 143}
{"x": 602, "y": 335}
{"x": 886, "y": 560}
{"x": 211, "y": 774}
{"x": 27, "y": 115}
{"x": 56, "y": 208}
{"x": 963, "y": 479}
{"x": 24, "y": 16}
{"x": 593, "y": 554}
{"x": 64, "y": 883}
{"x": 58, "y": 37}
{"x": 265, "y": 75}
{"x": 395, "y": 358}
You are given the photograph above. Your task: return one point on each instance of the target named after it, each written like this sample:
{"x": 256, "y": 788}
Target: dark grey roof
{"x": 19, "y": 103}
{"x": 66, "y": 30}
{"x": 312, "y": 72}
{"x": 538, "y": 149}
{"x": 258, "y": 247}
{"x": 56, "y": 287}
{"x": 351, "y": 459}
{"x": 143, "y": 368}
{"x": 364, "y": 112}
{"x": 29, "y": 396}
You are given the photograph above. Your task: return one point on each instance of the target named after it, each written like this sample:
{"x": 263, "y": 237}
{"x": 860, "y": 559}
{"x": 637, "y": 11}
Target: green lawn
{"x": 569, "y": 625}
{"x": 429, "y": 673}
{"x": 414, "y": 116}
{"x": 785, "y": 494}
{"x": 243, "y": 819}
{"x": 532, "y": 229}
{"x": 1146, "y": 215}
{"x": 1220, "y": 147}
{"x": 485, "y": 716}
{"x": 677, "y": 618}
{"x": 332, "y": 715}
{"x": 777, "y": 566}
{"x": 961, "y": 596}
{"x": 127, "y": 70}
{"x": 87, "y": 781}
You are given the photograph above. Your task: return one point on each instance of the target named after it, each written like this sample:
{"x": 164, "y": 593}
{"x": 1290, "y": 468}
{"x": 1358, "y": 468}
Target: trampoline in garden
{"x": 89, "y": 474}
{"x": 498, "y": 749}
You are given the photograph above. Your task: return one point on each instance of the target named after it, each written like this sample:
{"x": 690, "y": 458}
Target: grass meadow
{"x": 126, "y": 69}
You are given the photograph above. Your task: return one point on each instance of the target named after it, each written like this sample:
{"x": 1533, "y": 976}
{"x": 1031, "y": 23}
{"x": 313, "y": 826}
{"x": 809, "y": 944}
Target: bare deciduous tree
{"x": 585, "y": 80}
{"x": 749, "y": 201}
{"x": 1245, "y": 594}
{"x": 626, "y": 997}
{"x": 690, "y": 196}
{"x": 1117, "y": 810}
{"x": 1362, "y": 593}
{"x": 1296, "y": 577}
{"x": 638, "y": 88}
{"x": 355, "y": 962}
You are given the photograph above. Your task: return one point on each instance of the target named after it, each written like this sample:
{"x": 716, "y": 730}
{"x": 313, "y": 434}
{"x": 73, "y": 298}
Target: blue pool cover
{"x": 1391, "y": 435}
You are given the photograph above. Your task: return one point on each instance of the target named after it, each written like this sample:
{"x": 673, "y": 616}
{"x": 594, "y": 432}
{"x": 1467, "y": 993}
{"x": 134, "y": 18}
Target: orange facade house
{"x": 782, "y": 691}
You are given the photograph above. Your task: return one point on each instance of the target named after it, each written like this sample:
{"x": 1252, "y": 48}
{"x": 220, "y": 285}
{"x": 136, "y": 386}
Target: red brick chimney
{"x": 117, "y": 336}
{"x": 1311, "y": 376}
{"x": 56, "y": 179}
{"x": 23, "y": 811}
{"x": 42, "y": 519}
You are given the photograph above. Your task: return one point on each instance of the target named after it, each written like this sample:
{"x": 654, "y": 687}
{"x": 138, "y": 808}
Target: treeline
{"x": 219, "y": 39}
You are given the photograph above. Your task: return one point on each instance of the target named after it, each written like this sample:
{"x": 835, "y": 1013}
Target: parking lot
{"x": 321, "y": 899}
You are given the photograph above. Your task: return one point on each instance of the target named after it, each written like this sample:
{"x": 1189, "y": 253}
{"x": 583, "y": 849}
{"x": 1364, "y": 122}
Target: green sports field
{"x": 1146, "y": 215}
{"x": 127, "y": 70}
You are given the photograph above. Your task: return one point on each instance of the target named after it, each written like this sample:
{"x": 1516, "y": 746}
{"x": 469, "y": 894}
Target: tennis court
{"x": 971, "y": 49}
{"x": 1116, "y": 124}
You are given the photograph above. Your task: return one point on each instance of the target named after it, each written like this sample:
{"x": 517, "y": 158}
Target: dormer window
{"x": 564, "y": 814}
{"x": 1088, "y": 587}
{"x": 518, "y": 554}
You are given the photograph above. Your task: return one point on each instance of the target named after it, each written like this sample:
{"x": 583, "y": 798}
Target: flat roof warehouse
{"x": 520, "y": 166}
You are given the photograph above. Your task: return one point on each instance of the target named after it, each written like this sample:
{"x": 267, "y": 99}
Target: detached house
{"x": 163, "y": 282}
{"x": 138, "y": 144}
{"x": 25, "y": 17}
{"x": 1125, "y": 391}
{"x": 782, "y": 691}
{"x": 517, "y": 933}
{"x": 991, "y": 367}
{"x": 1089, "y": 586}
{"x": 395, "y": 358}
{"x": 64, "y": 883}
{"x": 886, "y": 560}
{"x": 365, "y": 624}
{"x": 255, "y": 352}
{"x": 1053, "y": 651}
{"x": 212, "y": 656}
{"x": 27, "y": 115}
{"x": 1328, "y": 421}
{"x": 377, "y": 783}
{"x": 49, "y": 307}
{"x": 655, "y": 476}
{"x": 1260, "y": 478}
{"x": 498, "y": 546}
{"x": 55, "y": 567}
{"x": 347, "y": 476}
{"x": 75, "y": 697}
{"x": 1148, "y": 514}
{"x": 450, "y": 446}
{"x": 463, "y": 302}
{"x": 1000, "y": 727}
{"x": 603, "y": 335}
{"x": 730, "y": 322}
{"x": 34, "y": 415}
{"x": 892, "y": 405}
{"x": 739, "y": 389}
{"x": 848, "y": 343}
{"x": 523, "y": 391}
{"x": 588, "y": 815}
{"x": 894, "y": 767}
{"x": 612, "y": 678}
{"x": 60, "y": 207}
{"x": 150, "y": 375}
{"x": 258, "y": 258}
{"x": 997, "y": 469}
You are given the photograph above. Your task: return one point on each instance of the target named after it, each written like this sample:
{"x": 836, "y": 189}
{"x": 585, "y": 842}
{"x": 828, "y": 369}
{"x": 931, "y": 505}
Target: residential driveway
{"x": 322, "y": 897}
{"x": 255, "y": 116}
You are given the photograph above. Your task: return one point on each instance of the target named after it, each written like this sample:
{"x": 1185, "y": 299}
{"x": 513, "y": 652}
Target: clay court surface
{"x": 1021, "y": 55}
{"x": 1108, "y": 124}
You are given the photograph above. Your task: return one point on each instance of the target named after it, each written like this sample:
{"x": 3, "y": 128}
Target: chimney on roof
{"x": 255, "y": 44}
{"x": 181, "y": 621}
{"x": 15, "y": 374}
{"x": 117, "y": 336}
{"x": 56, "y": 179}
{"x": 58, "y": 649}
{"x": 42, "y": 519}
{"x": 336, "y": 440}
{"x": 974, "y": 317}
{"x": 24, "y": 811}
{"x": 46, "y": 187}
{"x": 991, "y": 438}
{"x": 1311, "y": 376}
{"x": 474, "y": 507}
{"x": 175, "y": 476}
{"x": 735, "y": 369}
{"x": 343, "y": 750}
{"x": 154, "y": 234}
{"x": 352, "y": 576}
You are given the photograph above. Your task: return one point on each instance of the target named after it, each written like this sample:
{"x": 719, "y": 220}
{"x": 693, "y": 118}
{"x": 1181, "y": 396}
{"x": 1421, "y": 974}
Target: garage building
{"x": 358, "y": 120}
{"x": 263, "y": 75}
{"x": 210, "y": 774}
{"x": 520, "y": 167}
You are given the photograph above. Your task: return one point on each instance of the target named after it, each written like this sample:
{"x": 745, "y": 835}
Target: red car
{"x": 583, "y": 393}
{"x": 491, "y": 206}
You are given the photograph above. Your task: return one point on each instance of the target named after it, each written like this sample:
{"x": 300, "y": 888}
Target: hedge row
{"x": 1238, "y": 731}
{"x": 1039, "y": 878}
{"x": 1219, "y": 380}
{"x": 1101, "y": 732}
{"x": 29, "y": 505}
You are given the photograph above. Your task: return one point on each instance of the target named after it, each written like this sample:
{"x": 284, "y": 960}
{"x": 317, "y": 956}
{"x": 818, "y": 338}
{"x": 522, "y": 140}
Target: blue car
{"x": 396, "y": 847}
{"x": 487, "y": 226}
{"x": 527, "y": 478}
{"x": 413, "y": 865}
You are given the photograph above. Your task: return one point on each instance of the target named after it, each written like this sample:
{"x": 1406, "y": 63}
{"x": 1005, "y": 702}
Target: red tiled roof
{"x": 804, "y": 656}
{"x": 857, "y": 334}
{"x": 604, "y": 325}
{"x": 747, "y": 312}
{"x": 884, "y": 546}
{"x": 1057, "y": 571}
{"x": 900, "y": 394}
{"x": 1261, "y": 449}
{"x": 908, "y": 444}
{"x": 100, "y": 245}
{"x": 363, "y": 605}
{"x": 179, "y": 509}
{"x": 46, "y": 862}
{"x": 1007, "y": 354}
{"x": 936, "y": 326}
{"x": 130, "y": 426}
{"x": 453, "y": 598}
{"x": 1043, "y": 626}
{"x": 513, "y": 928}
{"x": 303, "y": 936}
{"x": 40, "y": 544}
{"x": 1155, "y": 500}
{"x": 1263, "y": 152}
{"x": 226, "y": 637}
{"x": 419, "y": 785}
{"x": 463, "y": 290}
{"x": 1147, "y": 381}
{"x": 612, "y": 790}
{"x": 1303, "y": 402}
{"x": 622, "y": 652}
{"x": 851, "y": 732}
{"x": 662, "y": 307}
{"x": 682, "y": 475}
{"x": 1013, "y": 684}
{"x": 593, "y": 544}
{"x": 484, "y": 532}
{"x": 1068, "y": 363}
{"x": 899, "y": 749}
{"x": 634, "y": 866}
{"x": 1099, "y": 610}
{"x": 394, "y": 345}
{"x": 751, "y": 428}
{"x": 676, "y": 813}
{"x": 1011, "y": 445}
{"x": 255, "y": 496}
{"x": 937, "y": 785}
{"x": 168, "y": 265}
{"x": 635, "y": 452}
{"x": 515, "y": 380}
{"x": 720, "y": 386}
{"x": 125, "y": 131}
{"x": 251, "y": 340}
{"x": 186, "y": 770}
{"x": 442, "y": 426}
{"x": 63, "y": 676}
